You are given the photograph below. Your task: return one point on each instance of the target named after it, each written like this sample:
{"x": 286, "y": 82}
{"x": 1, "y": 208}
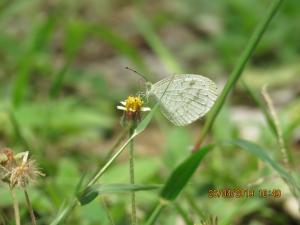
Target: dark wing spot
{"x": 192, "y": 83}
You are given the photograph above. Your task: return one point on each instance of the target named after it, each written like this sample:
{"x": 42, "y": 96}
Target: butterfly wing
{"x": 184, "y": 98}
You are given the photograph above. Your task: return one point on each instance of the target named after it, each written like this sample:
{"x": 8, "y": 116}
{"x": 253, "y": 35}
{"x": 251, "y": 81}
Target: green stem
{"x": 238, "y": 69}
{"x": 155, "y": 213}
{"x": 32, "y": 216}
{"x": 65, "y": 211}
{"x": 193, "y": 204}
{"x": 183, "y": 214}
{"x": 233, "y": 78}
{"x": 105, "y": 206}
{"x": 254, "y": 96}
{"x": 16, "y": 207}
{"x": 117, "y": 143}
{"x": 73, "y": 203}
{"x": 110, "y": 161}
{"x": 131, "y": 171}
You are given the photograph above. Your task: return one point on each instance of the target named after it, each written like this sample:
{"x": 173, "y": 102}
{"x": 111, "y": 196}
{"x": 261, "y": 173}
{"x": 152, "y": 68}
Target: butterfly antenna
{"x": 141, "y": 75}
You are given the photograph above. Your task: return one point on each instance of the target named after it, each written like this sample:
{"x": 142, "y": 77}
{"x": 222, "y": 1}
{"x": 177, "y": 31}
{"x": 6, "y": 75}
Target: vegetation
{"x": 73, "y": 158}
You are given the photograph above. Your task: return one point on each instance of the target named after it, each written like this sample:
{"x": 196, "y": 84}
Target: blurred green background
{"x": 62, "y": 75}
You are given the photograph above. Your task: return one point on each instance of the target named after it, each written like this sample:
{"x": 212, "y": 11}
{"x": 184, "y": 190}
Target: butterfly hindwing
{"x": 184, "y": 98}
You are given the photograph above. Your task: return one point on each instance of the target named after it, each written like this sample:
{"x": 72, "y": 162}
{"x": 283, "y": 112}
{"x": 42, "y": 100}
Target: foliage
{"x": 62, "y": 75}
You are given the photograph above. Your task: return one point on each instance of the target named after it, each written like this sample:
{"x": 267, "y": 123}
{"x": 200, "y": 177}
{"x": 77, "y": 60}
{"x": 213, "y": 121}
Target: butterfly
{"x": 184, "y": 98}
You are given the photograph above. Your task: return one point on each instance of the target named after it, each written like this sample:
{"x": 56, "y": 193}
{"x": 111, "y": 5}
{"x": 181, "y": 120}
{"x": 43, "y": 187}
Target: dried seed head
{"x": 6, "y": 163}
{"x": 24, "y": 174}
{"x": 17, "y": 170}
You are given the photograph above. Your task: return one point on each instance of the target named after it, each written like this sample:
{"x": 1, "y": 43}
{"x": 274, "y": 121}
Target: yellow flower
{"x": 133, "y": 106}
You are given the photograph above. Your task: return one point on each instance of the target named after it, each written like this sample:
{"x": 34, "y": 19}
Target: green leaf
{"x": 63, "y": 212}
{"x": 140, "y": 128}
{"x": 37, "y": 42}
{"x": 145, "y": 122}
{"x": 93, "y": 191}
{"x": 262, "y": 154}
{"x": 183, "y": 173}
{"x": 145, "y": 169}
{"x": 119, "y": 43}
{"x": 262, "y": 106}
{"x": 75, "y": 36}
{"x": 156, "y": 44}
{"x": 239, "y": 68}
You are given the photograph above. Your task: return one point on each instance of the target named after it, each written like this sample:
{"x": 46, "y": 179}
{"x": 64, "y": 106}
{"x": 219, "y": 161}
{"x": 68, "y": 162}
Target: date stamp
{"x": 244, "y": 193}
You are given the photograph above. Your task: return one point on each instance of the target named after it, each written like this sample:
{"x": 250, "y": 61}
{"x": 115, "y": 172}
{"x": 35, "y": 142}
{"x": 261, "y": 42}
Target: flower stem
{"x": 73, "y": 203}
{"x": 131, "y": 172}
{"x": 16, "y": 207}
{"x": 105, "y": 206}
{"x": 237, "y": 71}
{"x": 109, "y": 162}
{"x": 155, "y": 213}
{"x": 32, "y": 216}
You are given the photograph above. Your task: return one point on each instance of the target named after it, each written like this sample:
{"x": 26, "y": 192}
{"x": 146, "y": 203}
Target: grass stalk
{"x": 111, "y": 151}
{"x": 72, "y": 204}
{"x": 32, "y": 216}
{"x": 155, "y": 213}
{"x": 279, "y": 134}
{"x": 18, "y": 131}
{"x": 238, "y": 69}
{"x": 132, "y": 178}
{"x": 230, "y": 84}
{"x": 260, "y": 103}
{"x": 109, "y": 162}
{"x": 138, "y": 129}
{"x": 105, "y": 206}
{"x": 16, "y": 207}
{"x": 184, "y": 214}
{"x": 193, "y": 204}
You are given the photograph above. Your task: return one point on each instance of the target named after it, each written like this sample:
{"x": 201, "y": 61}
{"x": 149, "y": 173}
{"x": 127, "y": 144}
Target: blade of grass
{"x": 64, "y": 211}
{"x": 279, "y": 136}
{"x": 106, "y": 209}
{"x": 182, "y": 174}
{"x": 177, "y": 181}
{"x": 120, "y": 44}
{"x": 93, "y": 191}
{"x": 76, "y": 33}
{"x": 256, "y": 99}
{"x": 18, "y": 132}
{"x": 156, "y": 44}
{"x": 140, "y": 128}
{"x": 38, "y": 41}
{"x": 156, "y": 212}
{"x": 238, "y": 69}
{"x": 262, "y": 154}
{"x": 233, "y": 78}
{"x": 183, "y": 214}
{"x": 192, "y": 202}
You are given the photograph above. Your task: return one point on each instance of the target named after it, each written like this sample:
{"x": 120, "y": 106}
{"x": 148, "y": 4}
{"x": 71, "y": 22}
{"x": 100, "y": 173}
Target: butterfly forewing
{"x": 184, "y": 98}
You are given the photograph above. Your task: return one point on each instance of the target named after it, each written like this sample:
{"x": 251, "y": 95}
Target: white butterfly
{"x": 184, "y": 98}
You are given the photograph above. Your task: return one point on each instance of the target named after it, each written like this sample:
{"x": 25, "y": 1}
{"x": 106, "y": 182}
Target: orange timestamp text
{"x": 244, "y": 193}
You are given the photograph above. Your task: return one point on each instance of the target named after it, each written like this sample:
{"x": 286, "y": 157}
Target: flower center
{"x": 133, "y": 104}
